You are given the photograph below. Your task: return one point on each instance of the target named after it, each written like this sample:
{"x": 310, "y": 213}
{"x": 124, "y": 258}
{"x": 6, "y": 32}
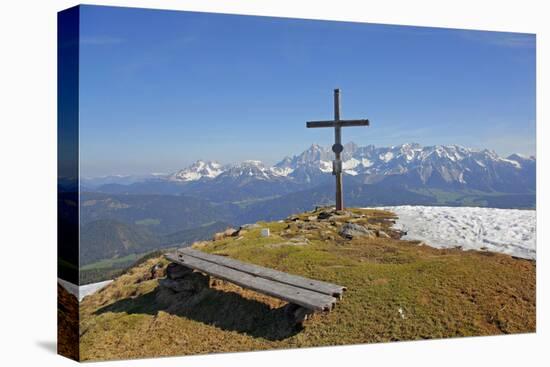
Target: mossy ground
{"x": 397, "y": 290}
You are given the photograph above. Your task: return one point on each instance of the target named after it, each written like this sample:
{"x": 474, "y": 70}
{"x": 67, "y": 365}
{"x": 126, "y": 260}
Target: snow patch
{"x": 480, "y": 163}
{"x": 388, "y": 156}
{"x": 366, "y": 163}
{"x": 84, "y": 290}
{"x": 509, "y": 161}
{"x": 350, "y": 164}
{"x": 508, "y": 231}
{"x": 325, "y": 166}
{"x": 279, "y": 171}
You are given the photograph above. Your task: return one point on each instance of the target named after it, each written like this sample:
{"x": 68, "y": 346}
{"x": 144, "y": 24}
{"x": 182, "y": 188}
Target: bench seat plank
{"x": 267, "y": 273}
{"x": 300, "y": 296}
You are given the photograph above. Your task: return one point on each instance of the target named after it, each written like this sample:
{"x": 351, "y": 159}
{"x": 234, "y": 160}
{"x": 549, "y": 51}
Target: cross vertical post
{"x": 337, "y": 165}
{"x": 337, "y": 148}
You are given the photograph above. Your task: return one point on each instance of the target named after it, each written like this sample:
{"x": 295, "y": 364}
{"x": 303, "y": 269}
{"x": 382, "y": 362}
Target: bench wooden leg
{"x": 296, "y": 313}
{"x": 176, "y": 271}
{"x": 302, "y": 314}
{"x": 290, "y": 308}
{"x": 182, "y": 279}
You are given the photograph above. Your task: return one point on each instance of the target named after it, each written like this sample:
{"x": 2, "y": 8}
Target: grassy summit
{"x": 397, "y": 290}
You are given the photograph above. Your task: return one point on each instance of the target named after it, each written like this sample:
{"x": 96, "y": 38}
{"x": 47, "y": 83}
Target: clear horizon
{"x": 192, "y": 86}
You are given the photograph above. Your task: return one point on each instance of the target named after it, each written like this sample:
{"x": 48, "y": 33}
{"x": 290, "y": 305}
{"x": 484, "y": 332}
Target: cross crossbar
{"x": 342, "y": 123}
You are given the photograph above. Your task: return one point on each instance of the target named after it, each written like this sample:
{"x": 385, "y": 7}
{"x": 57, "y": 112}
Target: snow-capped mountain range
{"x": 407, "y": 174}
{"x": 211, "y": 169}
{"x": 411, "y": 163}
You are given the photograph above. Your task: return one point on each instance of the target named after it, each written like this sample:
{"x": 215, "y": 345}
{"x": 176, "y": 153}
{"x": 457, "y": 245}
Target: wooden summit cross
{"x": 337, "y": 148}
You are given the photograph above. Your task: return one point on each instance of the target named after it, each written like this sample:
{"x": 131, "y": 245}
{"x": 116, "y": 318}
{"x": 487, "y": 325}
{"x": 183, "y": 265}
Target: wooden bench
{"x": 313, "y": 295}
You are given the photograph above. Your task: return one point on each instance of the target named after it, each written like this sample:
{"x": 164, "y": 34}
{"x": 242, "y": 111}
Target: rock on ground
{"x": 352, "y": 230}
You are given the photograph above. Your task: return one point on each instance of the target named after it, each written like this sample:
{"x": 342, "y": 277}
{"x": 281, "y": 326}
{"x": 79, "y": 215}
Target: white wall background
{"x": 28, "y": 180}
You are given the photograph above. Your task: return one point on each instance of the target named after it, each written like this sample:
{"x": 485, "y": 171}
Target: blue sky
{"x": 161, "y": 89}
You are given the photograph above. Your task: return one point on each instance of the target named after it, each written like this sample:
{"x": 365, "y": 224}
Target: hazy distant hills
{"x": 162, "y": 214}
{"x": 119, "y": 225}
{"x": 107, "y": 239}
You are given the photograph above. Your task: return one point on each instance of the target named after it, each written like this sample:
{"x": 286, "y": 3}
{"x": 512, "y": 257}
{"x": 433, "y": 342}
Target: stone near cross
{"x": 337, "y": 148}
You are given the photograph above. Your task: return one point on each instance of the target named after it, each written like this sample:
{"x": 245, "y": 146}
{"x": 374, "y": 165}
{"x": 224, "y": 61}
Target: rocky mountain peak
{"x": 196, "y": 171}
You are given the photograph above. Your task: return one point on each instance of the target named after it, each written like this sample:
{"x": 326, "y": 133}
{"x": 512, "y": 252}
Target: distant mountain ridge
{"x": 412, "y": 165}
